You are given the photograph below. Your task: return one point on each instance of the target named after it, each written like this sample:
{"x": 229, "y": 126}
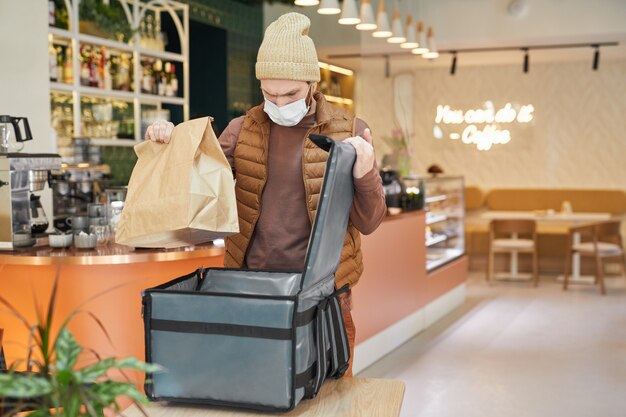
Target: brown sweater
{"x": 282, "y": 231}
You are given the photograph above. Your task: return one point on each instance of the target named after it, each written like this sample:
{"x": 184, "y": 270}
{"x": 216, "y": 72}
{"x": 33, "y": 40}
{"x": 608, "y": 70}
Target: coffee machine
{"x": 21, "y": 176}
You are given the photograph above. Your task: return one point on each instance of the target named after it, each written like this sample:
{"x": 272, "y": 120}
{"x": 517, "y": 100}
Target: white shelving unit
{"x": 445, "y": 213}
{"x": 134, "y": 11}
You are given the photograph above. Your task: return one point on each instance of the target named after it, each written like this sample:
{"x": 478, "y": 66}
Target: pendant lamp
{"x": 411, "y": 35}
{"x": 306, "y": 2}
{"x": 349, "y": 14}
{"x": 432, "y": 47}
{"x": 367, "y": 16}
{"x": 383, "y": 29}
{"x": 397, "y": 31}
{"x": 421, "y": 40}
{"x": 329, "y": 7}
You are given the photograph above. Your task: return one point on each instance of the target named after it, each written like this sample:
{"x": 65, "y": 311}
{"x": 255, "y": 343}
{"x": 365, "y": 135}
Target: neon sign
{"x": 490, "y": 134}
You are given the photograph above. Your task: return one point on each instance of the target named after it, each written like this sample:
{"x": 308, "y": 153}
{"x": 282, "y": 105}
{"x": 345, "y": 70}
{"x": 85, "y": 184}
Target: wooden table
{"x": 571, "y": 218}
{"x": 346, "y": 397}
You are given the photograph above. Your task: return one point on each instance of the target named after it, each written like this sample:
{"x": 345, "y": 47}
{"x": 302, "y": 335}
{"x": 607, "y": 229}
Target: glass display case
{"x": 444, "y": 204}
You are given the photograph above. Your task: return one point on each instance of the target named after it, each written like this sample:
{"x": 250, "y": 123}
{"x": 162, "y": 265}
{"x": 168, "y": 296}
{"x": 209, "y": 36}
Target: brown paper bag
{"x": 181, "y": 193}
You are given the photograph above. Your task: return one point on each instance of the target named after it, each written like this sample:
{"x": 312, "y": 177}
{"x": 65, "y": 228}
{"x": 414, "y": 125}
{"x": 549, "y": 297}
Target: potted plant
{"x": 53, "y": 384}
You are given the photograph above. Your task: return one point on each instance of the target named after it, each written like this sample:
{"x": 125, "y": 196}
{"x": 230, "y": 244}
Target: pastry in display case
{"x": 445, "y": 220}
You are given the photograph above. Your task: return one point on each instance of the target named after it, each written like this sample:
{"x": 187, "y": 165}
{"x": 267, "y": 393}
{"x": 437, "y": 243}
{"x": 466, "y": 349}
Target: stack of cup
{"x": 98, "y": 222}
{"x": 78, "y": 224}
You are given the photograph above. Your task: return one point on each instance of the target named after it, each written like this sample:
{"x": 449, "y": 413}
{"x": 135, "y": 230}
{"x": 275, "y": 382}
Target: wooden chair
{"x": 599, "y": 241}
{"x": 513, "y": 244}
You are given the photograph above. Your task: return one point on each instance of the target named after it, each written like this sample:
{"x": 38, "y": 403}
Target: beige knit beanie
{"x": 287, "y": 52}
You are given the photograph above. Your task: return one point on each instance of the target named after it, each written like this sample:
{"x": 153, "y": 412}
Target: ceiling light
{"x": 383, "y": 29}
{"x": 432, "y": 47}
{"x": 349, "y": 15}
{"x": 421, "y": 40}
{"x": 526, "y": 60}
{"x": 329, "y": 7}
{"x": 306, "y": 2}
{"x": 397, "y": 32}
{"x": 453, "y": 66}
{"x": 596, "y": 58}
{"x": 411, "y": 35}
{"x": 367, "y": 16}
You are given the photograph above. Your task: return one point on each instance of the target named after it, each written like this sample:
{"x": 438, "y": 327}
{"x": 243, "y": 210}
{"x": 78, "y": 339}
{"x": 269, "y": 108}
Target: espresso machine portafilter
{"x": 21, "y": 174}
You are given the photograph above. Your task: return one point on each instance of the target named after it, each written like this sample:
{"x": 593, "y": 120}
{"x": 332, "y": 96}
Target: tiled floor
{"x": 513, "y": 350}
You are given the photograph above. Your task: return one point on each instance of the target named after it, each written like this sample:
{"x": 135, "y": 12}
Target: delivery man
{"x": 279, "y": 171}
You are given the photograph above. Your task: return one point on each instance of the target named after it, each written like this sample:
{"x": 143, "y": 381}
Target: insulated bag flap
{"x": 331, "y": 220}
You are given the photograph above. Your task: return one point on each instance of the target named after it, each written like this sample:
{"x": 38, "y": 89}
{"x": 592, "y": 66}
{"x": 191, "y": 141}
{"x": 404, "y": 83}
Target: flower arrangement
{"x": 399, "y": 159}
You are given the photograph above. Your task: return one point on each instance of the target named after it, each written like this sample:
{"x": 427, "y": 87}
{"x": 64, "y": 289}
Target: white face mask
{"x": 288, "y": 115}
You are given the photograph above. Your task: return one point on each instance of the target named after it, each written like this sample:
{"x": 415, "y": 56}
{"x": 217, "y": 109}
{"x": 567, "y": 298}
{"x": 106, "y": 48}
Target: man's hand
{"x": 364, "y": 153}
{"x": 160, "y": 131}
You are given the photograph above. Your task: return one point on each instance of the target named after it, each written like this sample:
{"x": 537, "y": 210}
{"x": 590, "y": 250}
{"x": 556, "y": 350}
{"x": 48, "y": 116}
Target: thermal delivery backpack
{"x": 257, "y": 339}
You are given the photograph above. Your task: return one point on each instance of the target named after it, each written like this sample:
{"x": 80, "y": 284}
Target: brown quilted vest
{"x": 251, "y": 169}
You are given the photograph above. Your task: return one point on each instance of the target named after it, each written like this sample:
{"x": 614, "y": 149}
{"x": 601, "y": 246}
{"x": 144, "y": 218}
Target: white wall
{"x": 577, "y": 138}
{"x": 24, "y": 84}
{"x": 489, "y": 21}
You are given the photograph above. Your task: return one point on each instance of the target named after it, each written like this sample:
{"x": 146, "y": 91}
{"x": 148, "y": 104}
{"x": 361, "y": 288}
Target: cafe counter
{"x": 391, "y": 300}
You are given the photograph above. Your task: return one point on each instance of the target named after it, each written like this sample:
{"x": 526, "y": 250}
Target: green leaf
{"x": 92, "y": 372}
{"x": 65, "y": 376}
{"x": 67, "y": 350}
{"x": 71, "y": 407}
{"x": 106, "y": 392}
{"x": 23, "y": 386}
{"x": 134, "y": 363}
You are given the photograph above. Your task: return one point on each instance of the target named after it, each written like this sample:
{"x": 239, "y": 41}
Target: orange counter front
{"x": 393, "y": 287}
{"x": 106, "y": 282}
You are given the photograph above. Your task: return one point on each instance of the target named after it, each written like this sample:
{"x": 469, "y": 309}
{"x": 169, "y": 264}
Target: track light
{"x": 453, "y": 66}
{"x": 525, "y": 60}
{"x": 596, "y": 58}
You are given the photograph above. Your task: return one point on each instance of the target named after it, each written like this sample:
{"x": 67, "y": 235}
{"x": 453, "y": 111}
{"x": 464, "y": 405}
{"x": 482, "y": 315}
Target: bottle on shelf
{"x": 157, "y": 70}
{"x": 52, "y": 61}
{"x": 159, "y": 38}
{"x": 60, "y": 64}
{"x": 147, "y": 78}
{"x": 84, "y": 67}
{"x": 174, "y": 82}
{"x": 124, "y": 73}
{"x": 93, "y": 68}
{"x": 68, "y": 67}
{"x": 108, "y": 78}
{"x": 51, "y": 13}
{"x": 149, "y": 42}
{"x": 114, "y": 69}
{"x": 142, "y": 34}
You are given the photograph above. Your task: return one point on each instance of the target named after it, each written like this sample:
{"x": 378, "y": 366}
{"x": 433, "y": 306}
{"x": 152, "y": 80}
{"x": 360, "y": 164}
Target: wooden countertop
{"x": 346, "y": 397}
{"x": 110, "y": 254}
